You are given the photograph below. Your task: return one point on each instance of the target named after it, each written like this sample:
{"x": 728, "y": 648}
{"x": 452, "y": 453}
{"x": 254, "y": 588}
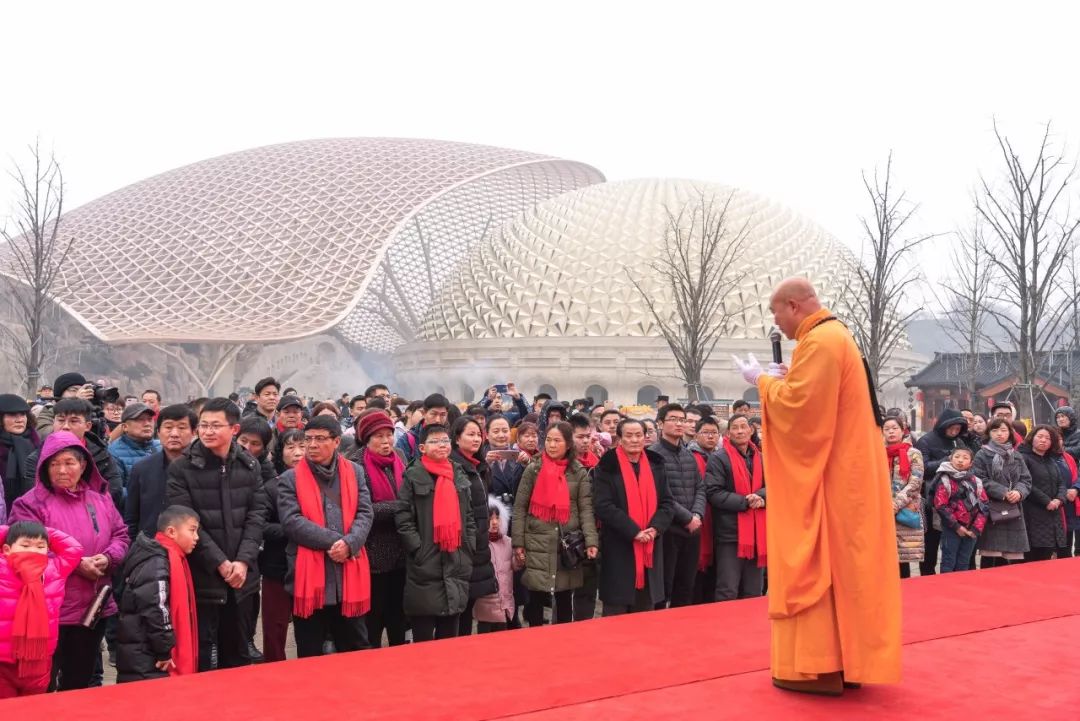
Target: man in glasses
{"x": 682, "y": 540}
{"x": 436, "y": 411}
{"x": 223, "y": 484}
{"x": 326, "y": 514}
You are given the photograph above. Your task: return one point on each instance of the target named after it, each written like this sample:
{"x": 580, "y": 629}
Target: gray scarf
{"x": 325, "y": 474}
{"x": 1002, "y": 452}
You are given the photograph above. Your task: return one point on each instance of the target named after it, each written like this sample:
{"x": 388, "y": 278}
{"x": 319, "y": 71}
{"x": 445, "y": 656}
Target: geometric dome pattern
{"x": 560, "y": 268}
{"x": 283, "y": 241}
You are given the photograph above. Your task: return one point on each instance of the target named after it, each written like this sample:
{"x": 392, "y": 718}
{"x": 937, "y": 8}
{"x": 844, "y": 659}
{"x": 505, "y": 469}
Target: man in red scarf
{"x": 326, "y": 514}
{"x": 158, "y": 633}
{"x": 632, "y": 501}
{"x": 735, "y": 487}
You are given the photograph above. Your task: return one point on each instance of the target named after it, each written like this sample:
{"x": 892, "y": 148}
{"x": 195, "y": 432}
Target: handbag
{"x": 571, "y": 549}
{"x": 909, "y": 518}
{"x": 1003, "y": 511}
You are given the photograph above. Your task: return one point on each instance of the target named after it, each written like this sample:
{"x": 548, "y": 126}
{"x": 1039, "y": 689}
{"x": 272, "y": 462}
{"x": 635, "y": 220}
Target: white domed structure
{"x": 562, "y": 272}
{"x": 286, "y": 241}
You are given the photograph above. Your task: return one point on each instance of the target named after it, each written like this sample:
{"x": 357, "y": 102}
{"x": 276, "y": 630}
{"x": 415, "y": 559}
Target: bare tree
{"x": 963, "y": 299}
{"x": 35, "y": 253}
{"x": 883, "y": 277}
{"x": 699, "y": 266}
{"x": 1071, "y": 287}
{"x": 1029, "y": 240}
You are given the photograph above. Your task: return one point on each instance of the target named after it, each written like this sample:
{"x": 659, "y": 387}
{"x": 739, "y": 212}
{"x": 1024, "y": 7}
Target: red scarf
{"x": 309, "y": 592}
{"x": 1073, "y": 474}
{"x": 30, "y": 628}
{"x": 446, "y": 514}
{"x": 382, "y": 489}
{"x": 470, "y": 458}
{"x": 900, "y": 451}
{"x": 588, "y": 459}
{"x": 640, "y": 506}
{"x": 185, "y": 653}
{"x": 550, "y": 500}
{"x": 752, "y": 521}
{"x": 705, "y": 554}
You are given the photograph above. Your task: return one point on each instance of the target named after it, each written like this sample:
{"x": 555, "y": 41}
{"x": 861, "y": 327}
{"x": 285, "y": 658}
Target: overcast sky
{"x": 790, "y": 100}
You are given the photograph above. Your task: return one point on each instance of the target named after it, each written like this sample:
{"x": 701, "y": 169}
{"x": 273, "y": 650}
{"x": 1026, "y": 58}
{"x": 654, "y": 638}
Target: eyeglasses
{"x": 318, "y": 439}
{"x": 675, "y": 419}
{"x": 438, "y": 442}
{"x": 215, "y": 427}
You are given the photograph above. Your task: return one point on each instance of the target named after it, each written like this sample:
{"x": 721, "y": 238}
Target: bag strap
{"x": 875, "y": 407}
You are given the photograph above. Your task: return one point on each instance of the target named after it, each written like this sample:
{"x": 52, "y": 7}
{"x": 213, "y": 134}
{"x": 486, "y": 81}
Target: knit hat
{"x": 11, "y": 403}
{"x": 65, "y": 381}
{"x": 371, "y": 423}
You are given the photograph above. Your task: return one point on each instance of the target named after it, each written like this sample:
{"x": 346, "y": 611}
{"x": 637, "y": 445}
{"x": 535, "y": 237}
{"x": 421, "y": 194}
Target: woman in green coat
{"x": 554, "y": 496}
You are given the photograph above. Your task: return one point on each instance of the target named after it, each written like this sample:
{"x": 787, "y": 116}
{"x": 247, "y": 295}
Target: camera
{"x": 103, "y": 395}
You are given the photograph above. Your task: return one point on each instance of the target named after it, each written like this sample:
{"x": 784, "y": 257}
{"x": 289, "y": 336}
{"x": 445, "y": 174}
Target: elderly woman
{"x": 71, "y": 496}
{"x": 18, "y": 440}
{"x": 1007, "y": 481}
{"x": 906, "y": 476}
{"x": 1043, "y": 508}
{"x": 383, "y": 467}
{"x": 554, "y": 499}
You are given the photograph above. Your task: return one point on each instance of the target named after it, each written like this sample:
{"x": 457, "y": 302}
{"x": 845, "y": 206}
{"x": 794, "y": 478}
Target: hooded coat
{"x": 1070, "y": 434}
{"x": 935, "y": 446}
{"x": 86, "y": 513}
{"x": 104, "y": 461}
{"x": 540, "y": 539}
{"x": 436, "y": 581}
{"x": 618, "y": 530}
{"x": 65, "y": 555}
{"x": 499, "y": 606}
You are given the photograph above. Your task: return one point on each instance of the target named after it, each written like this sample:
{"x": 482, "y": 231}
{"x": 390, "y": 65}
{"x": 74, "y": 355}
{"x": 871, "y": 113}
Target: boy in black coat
{"x": 146, "y": 637}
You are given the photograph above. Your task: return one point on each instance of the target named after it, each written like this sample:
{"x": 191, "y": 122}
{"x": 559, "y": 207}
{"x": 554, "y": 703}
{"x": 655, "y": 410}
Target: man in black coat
{"x": 682, "y": 541}
{"x": 149, "y": 477}
{"x": 620, "y": 531}
{"x": 223, "y": 484}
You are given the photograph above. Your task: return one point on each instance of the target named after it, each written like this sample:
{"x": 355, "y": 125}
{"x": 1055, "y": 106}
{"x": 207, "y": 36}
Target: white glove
{"x": 750, "y": 368}
{"x": 777, "y": 370}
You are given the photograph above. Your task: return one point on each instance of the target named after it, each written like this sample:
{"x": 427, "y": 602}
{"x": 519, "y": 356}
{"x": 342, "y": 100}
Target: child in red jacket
{"x": 31, "y": 593}
{"x": 960, "y": 500}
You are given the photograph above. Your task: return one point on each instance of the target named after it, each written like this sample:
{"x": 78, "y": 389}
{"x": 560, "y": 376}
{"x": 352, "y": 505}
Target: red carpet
{"x": 1009, "y": 641}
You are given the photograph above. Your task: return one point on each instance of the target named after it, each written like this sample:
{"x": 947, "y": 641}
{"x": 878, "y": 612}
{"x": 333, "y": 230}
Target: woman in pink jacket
{"x": 21, "y": 675}
{"x": 71, "y": 496}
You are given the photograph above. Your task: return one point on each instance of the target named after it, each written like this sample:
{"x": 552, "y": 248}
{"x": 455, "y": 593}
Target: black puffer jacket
{"x": 936, "y": 447}
{"x": 720, "y": 491}
{"x": 482, "y": 581}
{"x": 436, "y": 582}
{"x": 1046, "y": 529}
{"x": 684, "y": 482}
{"x": 233, "y": 511}
{"x": 144, "y": 634}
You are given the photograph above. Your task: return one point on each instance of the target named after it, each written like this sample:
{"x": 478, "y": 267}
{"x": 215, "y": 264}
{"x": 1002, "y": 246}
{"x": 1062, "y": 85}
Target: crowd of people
{"x": 165, "y": 533}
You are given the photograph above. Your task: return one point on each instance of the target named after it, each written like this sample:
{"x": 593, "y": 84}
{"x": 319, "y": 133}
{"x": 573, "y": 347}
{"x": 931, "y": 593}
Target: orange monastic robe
{"x": 834, "y": 580}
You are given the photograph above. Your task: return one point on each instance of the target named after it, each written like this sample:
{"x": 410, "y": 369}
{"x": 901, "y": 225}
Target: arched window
{"x": 597, "y": 393}
{"x": 708, "y": 394}
{"x": 467, "y": 393}
{"x": 646, "y": 395}
{"x": 751, "y": 395}
{"x": 549, "y": 389}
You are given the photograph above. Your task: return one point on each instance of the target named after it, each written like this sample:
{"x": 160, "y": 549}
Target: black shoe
{"x": 256, "y": 654}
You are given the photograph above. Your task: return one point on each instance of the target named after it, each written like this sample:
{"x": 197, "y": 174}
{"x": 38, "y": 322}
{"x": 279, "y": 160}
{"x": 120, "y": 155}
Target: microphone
{"x": 777, "y": 353}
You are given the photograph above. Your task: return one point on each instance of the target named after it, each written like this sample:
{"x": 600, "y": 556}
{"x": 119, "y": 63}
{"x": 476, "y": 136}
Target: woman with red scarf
{"x": 554, "y": 497}
{"x": 467, "y": 437}
{"x": 906, "y": 477}
{"x": 632, "y": 501}
{"x": 384, "y": 467}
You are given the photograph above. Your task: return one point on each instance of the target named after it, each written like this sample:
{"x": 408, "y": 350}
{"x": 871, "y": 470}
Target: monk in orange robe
{"x": 834, "y": 581}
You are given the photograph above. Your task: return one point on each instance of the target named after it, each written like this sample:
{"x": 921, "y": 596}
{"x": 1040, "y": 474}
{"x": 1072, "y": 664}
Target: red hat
{"x": 370, "y": 423}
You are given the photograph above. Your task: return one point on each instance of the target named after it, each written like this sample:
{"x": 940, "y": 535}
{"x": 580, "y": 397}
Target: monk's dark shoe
{"x": 850, "y": 684}
{"x": 827, "y": 684}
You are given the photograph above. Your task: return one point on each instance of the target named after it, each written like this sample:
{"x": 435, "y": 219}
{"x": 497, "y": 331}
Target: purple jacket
{"x": 65, "y": 554}
{"x": 87, "y": 514}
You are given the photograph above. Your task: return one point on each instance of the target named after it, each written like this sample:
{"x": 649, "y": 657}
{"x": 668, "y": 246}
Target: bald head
{"x": 792, "y": 301}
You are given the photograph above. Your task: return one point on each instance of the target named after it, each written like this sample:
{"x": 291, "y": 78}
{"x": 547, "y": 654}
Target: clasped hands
{"x": 646, "y": 536}
{"x": 234, "y": 573}
{"x": 754, "y": 501}
{"x": 93, "y": 567}
{"x": 751, "y": 369}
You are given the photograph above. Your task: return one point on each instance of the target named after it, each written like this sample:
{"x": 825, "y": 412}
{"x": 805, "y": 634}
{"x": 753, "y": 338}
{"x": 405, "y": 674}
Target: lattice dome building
{"x": 288, "y": 241}
{"x": 560, "y": 272}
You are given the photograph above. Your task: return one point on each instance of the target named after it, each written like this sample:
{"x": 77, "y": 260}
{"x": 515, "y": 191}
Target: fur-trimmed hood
{"x": 495, "y": 503}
